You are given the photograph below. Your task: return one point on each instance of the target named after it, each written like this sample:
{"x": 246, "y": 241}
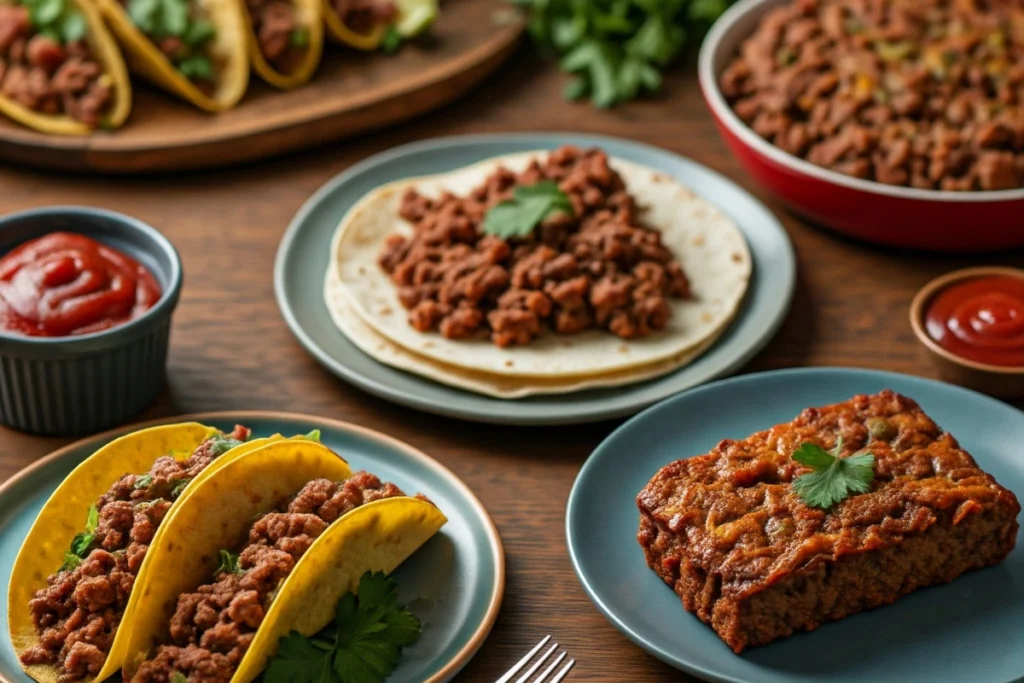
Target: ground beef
{"x": 361, "y": 16}
{"x": 728, "y": 532}
{"x": 77, "y": 614}
{"x": 925, "y": 94}
{"x": 211, "y": 628}
{"x": 45, "y": 76}
{"x": 274, "y": 23}
{"x": 597, "y": 268}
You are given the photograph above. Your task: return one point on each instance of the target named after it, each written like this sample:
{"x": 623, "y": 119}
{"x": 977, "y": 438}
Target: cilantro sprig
{"x": 529, "y": 206}
{"x": 362, "y": 645}
{"x": 228, "y": 564}
{"x": 617, "y": 49}
{"x": 834, "y": 478}
{"x": 82, "y": 542}
{"x": 58, "y": 20}
{"x": 160, "y": 19}
{"x": 221, "y": 444}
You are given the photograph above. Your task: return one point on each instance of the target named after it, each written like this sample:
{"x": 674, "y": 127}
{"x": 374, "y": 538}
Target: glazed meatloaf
{"x": 744, "y": 552}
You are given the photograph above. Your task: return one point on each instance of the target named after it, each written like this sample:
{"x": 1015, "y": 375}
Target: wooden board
{"x": 351, "y": 93}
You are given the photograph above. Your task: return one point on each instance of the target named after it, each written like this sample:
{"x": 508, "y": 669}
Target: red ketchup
{"x": 65, "y": 284}
{"x": 981, "y": 320}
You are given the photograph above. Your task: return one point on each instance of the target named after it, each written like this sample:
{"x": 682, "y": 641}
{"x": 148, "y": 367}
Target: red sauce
{"x": 65, "y": 284}
{"x": 981, "y": 320}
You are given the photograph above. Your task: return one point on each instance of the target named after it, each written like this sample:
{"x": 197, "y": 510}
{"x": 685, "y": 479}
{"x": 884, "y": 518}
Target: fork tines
{"x": 543, "y": 677}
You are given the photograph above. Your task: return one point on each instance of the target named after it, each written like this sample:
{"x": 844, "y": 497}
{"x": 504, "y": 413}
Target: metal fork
{"x": 543, "y": 678}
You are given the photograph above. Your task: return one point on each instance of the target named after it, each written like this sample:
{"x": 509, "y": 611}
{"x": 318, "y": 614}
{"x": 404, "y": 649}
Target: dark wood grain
{"x": 352, "y": 92}
{"x": 231, "y": 349}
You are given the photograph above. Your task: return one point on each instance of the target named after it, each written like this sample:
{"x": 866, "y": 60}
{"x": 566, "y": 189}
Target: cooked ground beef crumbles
{"x": 79, "y": 610}
{"x": 361, "y": 16}
{"x": 728, "y": 532}
{"x": 597, "y": 268}
{"x": 926, "y": 94}
{"x": 45, "y": 76}
{"x": 212, "y": 627}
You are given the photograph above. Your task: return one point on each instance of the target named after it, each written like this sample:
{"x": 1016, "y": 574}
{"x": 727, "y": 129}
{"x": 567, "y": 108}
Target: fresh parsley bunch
{"x": 362, "y": 645}
{"x": 617, "y": 49}
{"x": 58, "y": 20}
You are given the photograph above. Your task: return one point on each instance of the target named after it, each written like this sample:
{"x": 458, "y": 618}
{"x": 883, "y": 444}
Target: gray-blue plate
{"x": 303, "y": 256}
{"x": 454, "y": 583}
{"x": 971, "y": 630}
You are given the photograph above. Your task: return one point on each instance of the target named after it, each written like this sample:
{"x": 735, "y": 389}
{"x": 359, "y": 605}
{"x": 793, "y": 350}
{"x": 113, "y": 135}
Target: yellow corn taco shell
{"x": 413, "y": 17}
{"x": 341, "y": 33}
{"x": 64, "y": 515}
{"x": 310, "y": 16}
{"x": 105, "y": 49}
{"x": 228, "y": 52}
{"x": 377, "y": 536}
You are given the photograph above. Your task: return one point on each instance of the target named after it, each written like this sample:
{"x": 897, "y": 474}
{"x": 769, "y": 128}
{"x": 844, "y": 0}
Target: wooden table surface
{"x": 231, "y": 349}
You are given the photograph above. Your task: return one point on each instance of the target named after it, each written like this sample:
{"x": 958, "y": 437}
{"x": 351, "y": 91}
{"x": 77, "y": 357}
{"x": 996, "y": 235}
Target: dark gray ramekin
{"x": 87, "y": 383}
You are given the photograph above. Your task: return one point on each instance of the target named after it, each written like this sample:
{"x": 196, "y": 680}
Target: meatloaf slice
{"x": 728, "y": 533}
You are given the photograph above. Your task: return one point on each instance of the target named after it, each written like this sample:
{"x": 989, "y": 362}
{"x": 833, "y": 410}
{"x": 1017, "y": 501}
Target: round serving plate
{"x": 352, "y": 92}
{"x": 454, "y": 583}
{"x": 303, "y": 256}
{"x": 968, "y": 630}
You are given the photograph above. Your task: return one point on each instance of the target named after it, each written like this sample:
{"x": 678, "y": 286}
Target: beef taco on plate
{"x": 196, "y": 49}
{"x": 61, "y": 71}
{"x": 265, "y": 547}
{"x": 286, "y": 39}
{"x": 74, "y": 583}
{"x": 365, "y": 24}
{"x": 562, "y": 265}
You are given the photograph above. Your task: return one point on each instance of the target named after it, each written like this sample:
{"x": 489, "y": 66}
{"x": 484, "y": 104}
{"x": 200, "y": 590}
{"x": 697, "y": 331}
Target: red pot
{"x": 886, "y": 214}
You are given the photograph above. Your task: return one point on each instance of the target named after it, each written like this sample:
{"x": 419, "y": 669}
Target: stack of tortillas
{"x": 365, "y": 306}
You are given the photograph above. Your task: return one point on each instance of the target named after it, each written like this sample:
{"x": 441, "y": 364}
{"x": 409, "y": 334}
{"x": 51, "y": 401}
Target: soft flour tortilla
{"x": 382, "y": 349}
{"x": 710, "y": 248}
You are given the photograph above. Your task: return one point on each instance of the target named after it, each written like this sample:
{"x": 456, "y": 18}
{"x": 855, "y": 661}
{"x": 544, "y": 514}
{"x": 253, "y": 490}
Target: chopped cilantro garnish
{"x": 143, "y": 480}
{"x": 228, "y": 564}
{"x": 299, "y": 37}
{"x": 180, "y": 486}
{"x": 220, "y": 444}
{"x": 529, "y": 206}
{"x": 834, "y": 478}
{"x": 362, "y": 645}
{"x": 178, "y": 677}
{"x": 58, "y": 20}
{"x": 196, "y": 68}
{"x": 82, "y": 541}
{"x": 392, "y": 41}
{"x": 314, "y": 435}
{"x": 71, "y": 561}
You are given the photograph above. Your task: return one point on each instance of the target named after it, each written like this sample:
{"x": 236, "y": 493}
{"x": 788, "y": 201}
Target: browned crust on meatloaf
{"x": 744, "y": 552}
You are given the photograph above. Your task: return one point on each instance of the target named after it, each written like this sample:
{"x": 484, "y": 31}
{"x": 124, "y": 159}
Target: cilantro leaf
{"x": 198, "y": 32}
{"x": 178, "y": 677}
{"x": 220, "y": 444}
{"x": 92, "y": 520}
{"x": 142, "y": 481}
{"x": 833, "y": 478}
{"x": 299, "y": 37}
{"x": 363, "y": 645}
{"x": 228, "y": 564}
{"x": 313, "y": 435}
{"x": 82, "y": 541}
{"x": 71, "y": 561}
{"x": 180, "y": 486}
{"x": 529, "y": 206}
{"x": 392, "y": 41}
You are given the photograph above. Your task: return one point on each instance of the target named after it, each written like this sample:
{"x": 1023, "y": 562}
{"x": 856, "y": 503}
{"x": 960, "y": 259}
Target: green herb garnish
{"x": 180, "y": 486}
{"x": 82, "y": 541}
{"x": 617, "y": 49}
{"x": 142, "y": 481}
{"x": 197, "y": 68}
{"x": 228, "y": 564}
{"x": 178, "y": 677}
{"x": 299, "y": 37}
{"x": 221, "y": 444}
{"x": 362, "y": 645}
{"x": 160, "y": 19}
{"x": 313, "y": 435}
{"x": 529, "y": 206}
{"x": 58, "y": 20}
{"x": 392, "y": 41}
{"x": 834, "y": 478}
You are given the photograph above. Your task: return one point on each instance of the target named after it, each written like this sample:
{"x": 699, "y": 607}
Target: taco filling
{"x": 47, "y": 64}
{"x": 212, "y": 627}
{"x": 589, "y": 263}
{"x": 281, "y": 37}
{"x": 365, "y": 16}
{"x": 78, "y": 612}
{"x": 183, "y": 33}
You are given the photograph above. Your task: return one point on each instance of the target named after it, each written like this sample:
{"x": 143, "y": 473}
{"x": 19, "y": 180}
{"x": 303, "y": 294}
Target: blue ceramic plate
{"x": 304, "y": 252}
{"x": 454, "y": 583}
{"x": 969, "y": 630}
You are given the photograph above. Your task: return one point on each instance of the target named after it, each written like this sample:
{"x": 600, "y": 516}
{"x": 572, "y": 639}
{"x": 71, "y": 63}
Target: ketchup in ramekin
{"x": 66, "y": 284}
{"x": 980, "y": 319}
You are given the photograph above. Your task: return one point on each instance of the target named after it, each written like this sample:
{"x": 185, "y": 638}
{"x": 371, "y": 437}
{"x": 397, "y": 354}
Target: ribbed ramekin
{"x": 87, "y": 383}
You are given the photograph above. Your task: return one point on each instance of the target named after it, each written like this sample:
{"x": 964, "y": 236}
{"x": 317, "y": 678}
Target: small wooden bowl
{"x": 995, "y": 380}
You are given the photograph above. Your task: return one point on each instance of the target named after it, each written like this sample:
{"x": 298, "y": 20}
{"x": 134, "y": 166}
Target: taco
{"x": 266, "y": 546}
{"x": 196, "y": 49}
{"x": 60, "y": 70}
{"x": 367, "y": 24}
{"x": 74, "y": 581}
{"x": 286, "y": 39}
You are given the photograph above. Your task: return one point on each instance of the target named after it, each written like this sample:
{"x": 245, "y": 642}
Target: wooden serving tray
{"x": 351, "y": 92}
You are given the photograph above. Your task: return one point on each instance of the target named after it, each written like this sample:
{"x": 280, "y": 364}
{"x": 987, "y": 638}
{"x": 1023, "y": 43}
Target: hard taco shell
{"x": 228, "y": 50}
{"x": 310, "y": 15}
{"x": 341, "y": 33}
{"x": 377, "y": 536}
{"x": 104, "y": 47}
